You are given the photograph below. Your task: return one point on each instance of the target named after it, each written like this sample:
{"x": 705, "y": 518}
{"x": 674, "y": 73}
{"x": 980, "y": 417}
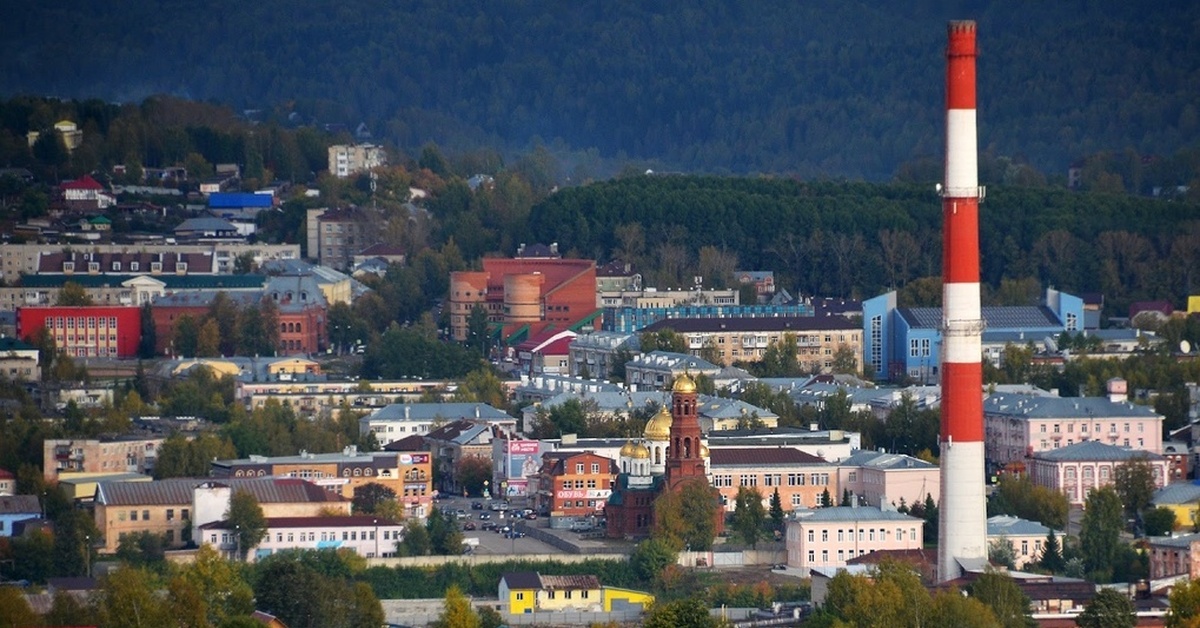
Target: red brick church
{"x": 671, "y": 453}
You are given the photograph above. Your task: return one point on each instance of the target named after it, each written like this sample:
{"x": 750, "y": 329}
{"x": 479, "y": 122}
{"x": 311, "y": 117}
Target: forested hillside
{"x": 859, "y": 239}
{"x": 825, "y": 88}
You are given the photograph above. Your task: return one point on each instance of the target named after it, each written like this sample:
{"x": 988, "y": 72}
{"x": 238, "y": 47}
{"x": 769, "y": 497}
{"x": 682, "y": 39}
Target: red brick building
{"x": 574, "y": 484}
{"x": 526, "y": 295}
{"x": 94, "y": 331}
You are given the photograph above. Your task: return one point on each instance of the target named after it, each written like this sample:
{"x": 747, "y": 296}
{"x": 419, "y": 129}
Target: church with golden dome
{"x": 670, "y": 453}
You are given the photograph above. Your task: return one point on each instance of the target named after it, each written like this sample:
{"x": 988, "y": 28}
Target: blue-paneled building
{"x": 628, "y": 319}
{"x": 903, "y": 342}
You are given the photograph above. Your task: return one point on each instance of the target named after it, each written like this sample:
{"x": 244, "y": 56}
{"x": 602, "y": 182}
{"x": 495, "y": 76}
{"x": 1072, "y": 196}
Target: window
{"x": 133, "y": 515}
{"x": 853, "y": 476}
{"x": 579, "y": 468}
{"x": 145, "y": 515}
{"x": 824, "y": 556}
{"x": 825, "y": 536}
{"x": 520, "y": 596}
{"x": 170, "y": 514}
{"x": 812, "y": 536}
{"x": 812, "y": 556}
{"x": 183, "y": 514}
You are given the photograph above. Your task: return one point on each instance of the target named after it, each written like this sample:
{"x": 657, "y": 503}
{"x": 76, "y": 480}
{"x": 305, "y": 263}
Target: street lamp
{"x": 87, "y": 555}
{"x": 376, "y": 537}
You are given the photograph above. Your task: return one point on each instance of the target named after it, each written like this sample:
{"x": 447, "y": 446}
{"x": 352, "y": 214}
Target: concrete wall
{"x": 482, "y": 559}
{"x": 732, "y": 559}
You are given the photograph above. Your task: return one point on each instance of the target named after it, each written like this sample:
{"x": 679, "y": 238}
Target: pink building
{"x": 1175, "y": 556}
{"x": 830, "y": 536}
{"x": 878, "y": 478}
{"x": 1020, "y": 426}
{"x": 1076, "y": 469}
{"x": 363, "y": 534}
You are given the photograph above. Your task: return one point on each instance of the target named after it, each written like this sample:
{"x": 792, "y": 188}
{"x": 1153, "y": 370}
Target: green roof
{"x": 100, "y": 220}
{"x": 587, "y": 320}
{"x": 172, "y": 281}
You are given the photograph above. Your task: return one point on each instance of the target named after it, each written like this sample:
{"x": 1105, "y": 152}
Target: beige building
{"x": 1175, "y": 556}
{"x": 345, "y": 160}
{"x": 18, "y": 259}
{"x": 800, "y": 478}
{"x": 174, "y": 508}
{"x": 120, "y": 455}
{"x": 335, "y": 236}
{"x": 318, "y": 398}
{"x": 18, "y": 361}
{"x": 818, "y": 339}
{"x": 880, "y": 479}
{"x": 1026, "y": 538}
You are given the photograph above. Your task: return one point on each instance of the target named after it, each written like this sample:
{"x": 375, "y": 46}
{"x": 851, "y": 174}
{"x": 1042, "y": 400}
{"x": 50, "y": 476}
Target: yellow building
{"x": 526, "y": 592}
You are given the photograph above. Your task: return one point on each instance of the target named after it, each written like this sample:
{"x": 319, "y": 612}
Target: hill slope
{"x": 814, "y": 88}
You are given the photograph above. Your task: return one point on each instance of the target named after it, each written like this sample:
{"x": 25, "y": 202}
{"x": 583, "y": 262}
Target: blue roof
{"x": 1178, "y": 493}
{"x": 1025, "y": 407}
{"x": 234, "y": 200}
{"x": 1095, "y": 450}
{"x": 1008, "y": 525}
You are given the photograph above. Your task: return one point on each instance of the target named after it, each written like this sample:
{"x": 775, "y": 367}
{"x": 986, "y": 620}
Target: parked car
{"x": 476, "y": 506}
{"x": 470, "y": 525}
{"x": 484, "y": 515}
{"x": 489, "y": 525}
{"x": 531, "y": 516}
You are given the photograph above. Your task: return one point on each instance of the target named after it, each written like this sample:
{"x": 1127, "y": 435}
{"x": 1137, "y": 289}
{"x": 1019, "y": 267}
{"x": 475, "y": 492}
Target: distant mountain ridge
{"x": 825, "y": 88}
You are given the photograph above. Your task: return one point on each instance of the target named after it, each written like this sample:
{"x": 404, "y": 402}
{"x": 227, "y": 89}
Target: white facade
{"x": 828, "y": 537}
{"x": 366, "y": 536}
{"x": 345, "y": 160}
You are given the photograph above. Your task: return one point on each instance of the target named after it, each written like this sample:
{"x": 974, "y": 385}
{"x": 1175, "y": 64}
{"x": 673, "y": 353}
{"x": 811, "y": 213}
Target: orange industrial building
{"x": 526, "y": 296}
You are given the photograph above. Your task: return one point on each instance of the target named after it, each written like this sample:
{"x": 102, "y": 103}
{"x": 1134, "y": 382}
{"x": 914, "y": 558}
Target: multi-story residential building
{"x": 363, "y": 535}
{"x": 85, "y": 331}
{"x": 86, "y": 193}
{"x": 410, "y": 475}
{"x": 905, "y": 342}
{"x": 26, "y": 259}
{"x": 335, "y": 236}
{"x": 1026, "y": 538}
{"x": 801, "y": 479}
{"x": 399, "y": 420}
{"x": 175, "y": 508}
{"x": 818, "y": 340}
{"x": 545, "y": 353}
{"x": 574, "y": 484}
{"x": 314, "y": 398}
{"x": 18, "y": 361}
{"x": 828, "y": 537}
{"x": 299, "y": 301}
{"x": 525, "y": 295}
{"x": 1076, "y": 469}
{"x": 16, "y": 508}
{"x": 1020, "y": 426}
{"x": 1175, "y": 556}
{"x": 348, "y": 159}
{"x": 652, "y": 298}
{"x": 593, "y": 355}
{"x": 882, "y": 479}
{"x": 454, "y": 443}
{"x": 657, "y": 369}
{"x": 135, "y": 455}
{"x": 630, "y": 319}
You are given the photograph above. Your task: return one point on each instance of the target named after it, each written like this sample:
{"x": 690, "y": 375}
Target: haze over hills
{"x": 824, "y": 88}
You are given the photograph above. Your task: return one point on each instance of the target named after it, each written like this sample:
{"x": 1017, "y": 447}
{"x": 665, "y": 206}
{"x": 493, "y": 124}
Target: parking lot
{"x": 491, "y": 541}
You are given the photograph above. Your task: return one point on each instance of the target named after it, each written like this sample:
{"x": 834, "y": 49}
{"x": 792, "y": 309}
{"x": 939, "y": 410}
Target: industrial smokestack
{"x": 962, "y": 515}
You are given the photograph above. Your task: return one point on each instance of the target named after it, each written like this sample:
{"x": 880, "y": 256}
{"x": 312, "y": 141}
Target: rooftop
{"x": 1040, "y": 407}
{"x": 432, "y": 411}
{"x": 995, "y": 317}
{"x": 1094, "y": 450}
{"x": 180, "y": 491}
{"x": 753, "y": 324}
{"x": 854, "y": 513}
{"x": 756, "y": 456}
{"x": 1008, "y": 525}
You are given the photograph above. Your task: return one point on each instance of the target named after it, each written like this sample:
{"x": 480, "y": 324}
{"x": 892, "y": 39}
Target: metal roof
{"x": 20, "y": 505}
{"x": 995, "y": 317}
{"x": 756, "y": 456}
{"x": 180, "y": 491}
{"x": 856, "y": 513}
{"x": 431, "y": 411}
{"x": 1008, "y": 525}
{"x": 1179, "y": 493}
{"x": 1042, "y": 407}
{"x": 1094, "y": 450}
{"x": 882, "y": 460}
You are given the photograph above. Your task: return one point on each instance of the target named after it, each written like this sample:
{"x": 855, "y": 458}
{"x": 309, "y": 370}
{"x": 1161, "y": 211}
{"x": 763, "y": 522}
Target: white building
{"x": 397, "y": 421}
{"x": 1026, "y": 538}
{"x": 828, "y": 537}
{"x": 345, "y": 160}
{"x": 364, "y": 535}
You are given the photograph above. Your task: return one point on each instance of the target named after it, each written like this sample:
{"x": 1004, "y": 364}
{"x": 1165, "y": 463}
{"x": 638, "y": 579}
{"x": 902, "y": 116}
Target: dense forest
{"x": 836, "y": 89}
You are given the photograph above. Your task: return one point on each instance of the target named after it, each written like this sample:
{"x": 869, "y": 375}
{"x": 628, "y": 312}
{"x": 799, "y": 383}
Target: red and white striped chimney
{"x": 962, "y": 518}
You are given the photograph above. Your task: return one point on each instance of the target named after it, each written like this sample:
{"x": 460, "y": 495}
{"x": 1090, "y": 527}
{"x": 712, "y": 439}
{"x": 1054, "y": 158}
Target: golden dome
{"x": 627, "y": 449}
{"x": 684, "y": 384}
{"x": 659, "y": 427}
{"x": 703, "y": 450}
{"x": 640, "y": 452}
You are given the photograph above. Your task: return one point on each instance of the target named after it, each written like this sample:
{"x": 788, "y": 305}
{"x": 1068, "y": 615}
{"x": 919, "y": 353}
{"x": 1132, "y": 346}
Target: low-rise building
{"x": 363, "y": 535}
{"x": 526, "y": 592}
{"x": 595, "y": 354}
{"x": 880, "y": 479}
{"x": 657, "y": 369}
{"x": 177, "y": 508}
{"x": 19, "y": 361}
{"x": 8, "y": 482}
{"x": 85, "y": 331}
{"x": 454, "y": 444}
{"x": 99, "y": 455}
{"x": 818, "y": 339}
{"x": 828, "y": 537}
{"x": 1175, "y": 556}
{"x": 1020, "y": 426}
{"x": 1181, "y": 498}
{"x": 397, "y": 421}
{"x": 801, "y": 479}
{"x": 316, "y": 398}
{"x": 348, "y": 159}
{"x": 1026, "y": 538}
{"x": 14, "y": 508}
{"x": 574, "y": 484}
{"x": 1076, "y": 469}
{"x": 410, "y": 475}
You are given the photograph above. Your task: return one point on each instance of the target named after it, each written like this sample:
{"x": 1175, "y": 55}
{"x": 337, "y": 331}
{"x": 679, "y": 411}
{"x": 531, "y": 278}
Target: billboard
{"x": 524, "y": 460}
{"x": 414, "y": 458}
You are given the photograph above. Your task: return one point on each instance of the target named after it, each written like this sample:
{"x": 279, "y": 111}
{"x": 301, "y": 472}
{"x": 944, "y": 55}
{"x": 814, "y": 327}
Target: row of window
{"x": 568, "y": 484}
{"x": 133, "y": 515}
{"x": 155, "y": 267}
{"x": 71, "y": 322}
{"x": 1112, "y": 428}
{"x": 864, "y": 534}
{"x": 772, "y": 479}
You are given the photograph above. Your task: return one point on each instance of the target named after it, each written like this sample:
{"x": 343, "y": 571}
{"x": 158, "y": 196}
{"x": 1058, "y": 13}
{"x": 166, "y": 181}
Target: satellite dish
{"x": 1185, "y": 346}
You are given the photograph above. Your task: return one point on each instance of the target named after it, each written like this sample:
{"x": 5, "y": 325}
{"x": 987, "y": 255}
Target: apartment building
{"x": 109, "y": 455}
{"x": 818, "y": 339}
{"x": 348, "y": 159}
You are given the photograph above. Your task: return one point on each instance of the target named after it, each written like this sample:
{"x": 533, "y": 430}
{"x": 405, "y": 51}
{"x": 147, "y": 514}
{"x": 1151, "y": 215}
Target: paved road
{"x": 491, "y": 542}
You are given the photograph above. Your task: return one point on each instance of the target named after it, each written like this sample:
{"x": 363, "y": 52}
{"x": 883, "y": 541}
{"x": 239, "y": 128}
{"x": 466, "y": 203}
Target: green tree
{"x": 208, "y": 340}
{"x": 665, "y": 339}
{"x": 148, "y": 343}
{"x": 1100, "y": 534}
{"x": 650, "y": 557}
{"x": 130, "y": 599}
{"x": 181, "y": 457}
{"x": 1159, "y": 521}
{"x": 685, "y": 518}
{"x": 444, "y": 536}
{"x": 483, "y": 386}
{"x": 691, "y": 612}
{"x": 15, "y": 612}
{"x": 415, "y": 541}
{"x": 185, "y": 336}
{"x": 1109, "y": 609}
{"x": 1052, "y": 557}
{"x": 749, "y": 515}
{"x": 949, "y": 608}
{"x": 891, "y": 596}
{"x": 1001, "y": 593}
{"x": 73, "y": 294}
{"x": 212, "y": 587}
{"x": 471, "y": 472}
{"x": 1018, "y": 496}
{"x": 845, "y": 360}
{"x": 67, "y": 610}
{"x": 457, "y": 611}
{"x": 478, "y": 337}
{"x": 369, "y": 496}
{"x": 246, "y": 516}
{"x": 710, "y": 352}
{"x": 1134, "y": 483}
{"x": 1000, "y": 552}
{"x": 780, "y": 359}
{"x": 776, "y": 512}
{"x": 1184, "y": 604}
